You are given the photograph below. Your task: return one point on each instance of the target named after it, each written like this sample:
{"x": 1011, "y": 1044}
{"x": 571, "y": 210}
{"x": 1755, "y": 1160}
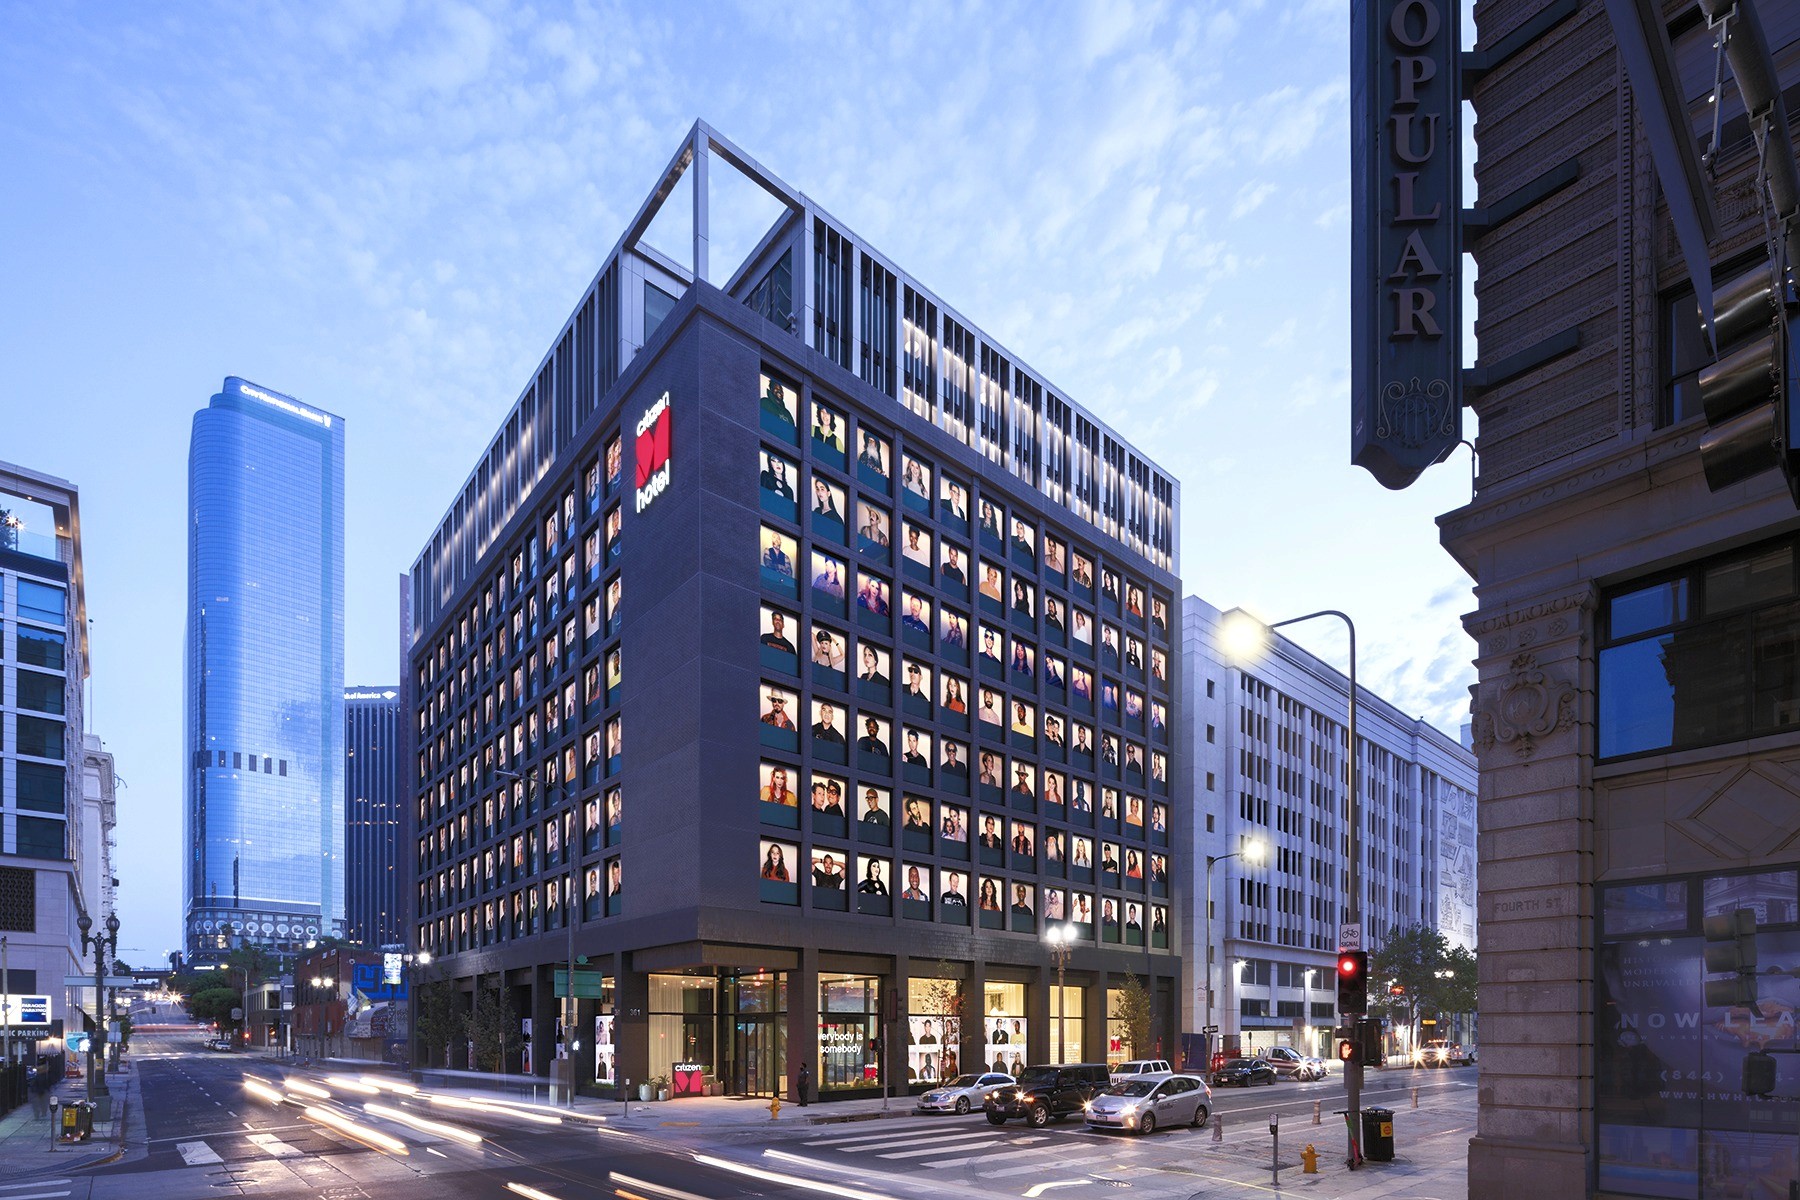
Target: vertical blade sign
{"x": 1406, "y": 257}
{"x": 653, "y": 452}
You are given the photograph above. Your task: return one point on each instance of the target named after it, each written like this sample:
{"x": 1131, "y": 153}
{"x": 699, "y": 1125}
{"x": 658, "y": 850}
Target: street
{"x": 206, "y": 1132}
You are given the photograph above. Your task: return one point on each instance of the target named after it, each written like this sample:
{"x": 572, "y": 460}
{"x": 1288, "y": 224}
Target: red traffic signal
{"x": 1350, "y": 964}
{"x": 1353, "y": 982}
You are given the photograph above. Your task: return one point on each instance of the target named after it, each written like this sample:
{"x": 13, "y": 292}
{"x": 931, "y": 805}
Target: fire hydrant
{"x": 1309, "y": 1160}
{"x": 774, "y": 1107}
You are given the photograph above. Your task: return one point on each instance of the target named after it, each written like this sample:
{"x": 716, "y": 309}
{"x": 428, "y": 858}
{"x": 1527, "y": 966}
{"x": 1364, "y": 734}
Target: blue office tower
{"x": 264, "y": 695}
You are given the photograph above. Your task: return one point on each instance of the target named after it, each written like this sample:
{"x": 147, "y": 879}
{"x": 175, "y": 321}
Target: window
{"x": 41, "y": 787}
{"x": 657, "y": 305}
{"x": 41, "y": 602}
{"x": 40, "y": 837}
{"x": 1684, "y": 355}
{"x": 40, "y": 648}
{"x": 40, "y": 738}
{"x": 1704, "y": 655}
{"x": 40, "y": 693}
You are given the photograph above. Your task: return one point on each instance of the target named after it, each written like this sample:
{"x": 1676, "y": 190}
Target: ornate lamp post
{"x": 1061, "y": 940}
{"x": 103, "y": 946}
{"x": 1252, "y": 853}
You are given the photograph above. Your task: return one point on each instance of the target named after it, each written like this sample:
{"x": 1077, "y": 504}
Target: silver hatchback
{"x": 1146, "y": 1105}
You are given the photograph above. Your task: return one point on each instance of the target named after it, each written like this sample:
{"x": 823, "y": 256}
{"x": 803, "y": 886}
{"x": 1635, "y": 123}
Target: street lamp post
{"x": 1252, "y": 853}
{"x": 415, "y": 960}
{"x": 1353, "y": 1071}
{"x": 1061, "y": 939}
{"x": 101, "y": 945}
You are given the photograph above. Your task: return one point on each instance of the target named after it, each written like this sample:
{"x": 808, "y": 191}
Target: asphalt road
{"x": 207, "y": 1135}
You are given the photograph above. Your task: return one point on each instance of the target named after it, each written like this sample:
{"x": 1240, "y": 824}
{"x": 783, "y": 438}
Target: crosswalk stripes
{"x": 936, "y": 1144}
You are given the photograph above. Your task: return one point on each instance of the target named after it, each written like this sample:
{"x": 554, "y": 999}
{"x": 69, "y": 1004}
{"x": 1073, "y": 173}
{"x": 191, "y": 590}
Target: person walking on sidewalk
{"x": 805, "y": 1082}
{"x": 40, "y": 1093}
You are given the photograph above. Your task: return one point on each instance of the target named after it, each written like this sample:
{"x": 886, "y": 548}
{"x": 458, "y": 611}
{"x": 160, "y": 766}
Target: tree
{"x": 215, "y": 1004}
{"x": 443, "y": 1021}
{"x": 943, "y": 998}
{"x": 123, "y": 1025}
{"x": 1430, "y": 976}
{"x": 493, "y": 1026}
{"x": 120, "y": 968}
{"x": 1132, "y": 1010}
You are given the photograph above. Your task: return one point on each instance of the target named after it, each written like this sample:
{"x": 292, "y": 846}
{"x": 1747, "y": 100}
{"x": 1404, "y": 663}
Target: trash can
{"x": 77, "y": 1121}
{"x": 1378, "y": 1134}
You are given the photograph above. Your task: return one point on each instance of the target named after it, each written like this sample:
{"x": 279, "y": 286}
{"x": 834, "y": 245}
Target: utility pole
{"x": 5, "y": 1000}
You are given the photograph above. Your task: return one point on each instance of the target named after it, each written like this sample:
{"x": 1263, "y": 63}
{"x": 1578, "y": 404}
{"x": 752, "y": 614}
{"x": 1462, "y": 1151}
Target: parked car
{"x": 964, "y": 1092}
{"x": 1291, "y": 1064}
{"x": 1138, "y": 1068}
{"x": 1441, "y": 1052}
{"x": 1146, "y": 1104}
{"x": 1243, "y": 1072}
{"x": 1047, "y": 1093}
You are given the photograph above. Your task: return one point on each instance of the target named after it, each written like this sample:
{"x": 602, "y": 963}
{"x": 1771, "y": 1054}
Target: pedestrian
{"x": 805, "y": 1083}
{"x": 40, "y": 1093}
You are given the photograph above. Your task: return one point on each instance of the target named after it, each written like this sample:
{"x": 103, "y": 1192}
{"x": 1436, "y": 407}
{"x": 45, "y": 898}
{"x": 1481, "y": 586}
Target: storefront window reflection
{"x": 1003, "y": 1019}
{"x": 849, "y": 1020}
{"x": 1066, "y": 1005}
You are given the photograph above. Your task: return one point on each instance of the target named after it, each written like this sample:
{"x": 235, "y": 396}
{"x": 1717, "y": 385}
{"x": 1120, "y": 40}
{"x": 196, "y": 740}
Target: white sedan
{"x": 964, "y": 1093}
{"x": 1145, "y": 1105}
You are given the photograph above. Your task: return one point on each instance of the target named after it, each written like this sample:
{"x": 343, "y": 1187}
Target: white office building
{"x": 1264, "y": 763}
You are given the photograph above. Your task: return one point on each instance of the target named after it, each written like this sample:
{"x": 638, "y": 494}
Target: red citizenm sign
{"x": 1406, "y": 217}
{"x": 653, "y": 452}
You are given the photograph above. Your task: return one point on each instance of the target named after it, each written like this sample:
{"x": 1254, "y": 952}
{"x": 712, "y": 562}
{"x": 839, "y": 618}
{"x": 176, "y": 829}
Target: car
{"x": 1138, "y": 1068}
{"x": 1321, "y": 1067}
{"x": 964, "y": 1092}
{"x": 1441, "y": 1052}
{"x": 1244, "y": 1072}
{"x": 1047, "y": 1093}
{"x": 1291, "y": 1064}
{"x": 1148, "y": 1103}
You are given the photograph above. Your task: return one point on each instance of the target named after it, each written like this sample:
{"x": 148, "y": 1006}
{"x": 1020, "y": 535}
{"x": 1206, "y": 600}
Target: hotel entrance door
{"x": 759, "y": 1052}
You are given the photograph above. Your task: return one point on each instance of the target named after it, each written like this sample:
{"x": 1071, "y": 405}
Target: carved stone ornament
{"x": 1526, "y": 705}
{"x": 1415, "y": 412}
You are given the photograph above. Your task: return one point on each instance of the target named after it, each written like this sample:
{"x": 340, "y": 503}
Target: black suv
{"x": 1049, "y": 1093}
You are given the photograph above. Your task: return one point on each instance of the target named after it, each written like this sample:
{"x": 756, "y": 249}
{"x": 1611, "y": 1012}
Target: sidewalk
{"x": 30, "y": 1153}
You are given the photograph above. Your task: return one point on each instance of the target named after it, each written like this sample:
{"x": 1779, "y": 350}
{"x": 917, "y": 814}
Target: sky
{"x": 388, "y": 209}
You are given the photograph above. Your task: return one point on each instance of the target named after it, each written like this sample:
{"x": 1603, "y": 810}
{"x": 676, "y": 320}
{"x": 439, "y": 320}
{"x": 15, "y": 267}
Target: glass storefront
{"x": 1003, "y": 1020}
{"x": 849, "y": 1024}
{"x": 1066, "y": 1004}
{"x": 605, "y": 1055}
{"x": 726, "y": 1034}
{"x": 933, "y": 1029}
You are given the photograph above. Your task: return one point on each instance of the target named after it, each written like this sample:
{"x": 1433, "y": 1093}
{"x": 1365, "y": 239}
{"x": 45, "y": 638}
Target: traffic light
{"x": 1749, "y": 391}
{"x": 1730, "y": 950}
{"x": 1349, "y": 1047}
{"x": 1369, "y": 1032}
{"x": 1759, "y": 1073}
{"x": 1353, "y": 981}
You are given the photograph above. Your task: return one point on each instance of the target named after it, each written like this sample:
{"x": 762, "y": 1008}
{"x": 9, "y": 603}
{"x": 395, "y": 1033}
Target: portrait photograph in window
{"x": 1109, "y": 646}
{"x": 953, "y": 896}
{"x": 615, "y": 816}
{"x": 615, "y": 464}
{"x": 872, "y": 459}
{"x": 992, "y": 587}
{"x": 990, "y": 775}
{"x": 1134, "y": 656}
{"x": 827, "y": 512}
{"x": 1159, "y": 616}
{"x": 990, "y": 709}
{"x": 1055, "y": 793}
{"x": 915, "y": 550}
{"x": 915, "y": 892}
{"x": 828, "y": 741}
{"x": 590, "y": 554}
{"x": 1021, "y": 840}
{"x": 1056, "y": 673}
{"x": 1056, "y": 906}
{"x": 1024, "y": 725}
{"x": 591, "y": 482}
{"x": 1023, "y": 910}
{"x": 956, "y": 700}
{"x": 828, "y": 435}
{"x": 1056, "y": 556}
{"x": 778, "y": 863}
{"x": 916, "y": 696}
{"x": 872, "y": 894}
{"x": 593, "y": 832}
{"x": 830, "y": 805}
{"x": 1159, "y": 771}
{"x": 953, "y": 504}
{"x": 1081, "y": 912}
{"x": 615, "y": 673}
{"x": 993, "y": 646}
{"x": 1022, "y": 786}
{"x": 915, "y": 483}
{"x": 1022, "y": 661}
{"x": 615, "y": 887}
{"x": 1081, "y": 858}
{"x": 779, "y": 629}
{"x": 953, "y": 572}
{"x": 917, "y": 831}
{"x": 1054, "y": 847}
{"x": 874, "y": 530}
{"x": 829, "y": 657}
{"x": 780, "y": 408}
{"x": 615, "y": 605}
{"x": 874, "y": 675}
{"x": 829, "y": 583}
{"x": 830, "y": 878}
{"x": 615, "y": 745}
{"x": 991, "y": 524}
{"x": 1024, "y": 544}
{"x": 590, "y": 898}
{"x": 1109, "y": 698}
{"x": 1159, "y": 926}
{"x": 953, "y": 830}
{"x": 779, "y": 705}
{"x": 1109, "y": 919}
{"x": 1056, "y": 737}
{"x": 990, "y": 840}
{"x": 780, "y": 803}
{"x": 874, "y": 602}
{"x": 1083, "y": 697}
{"x": 1109, "y": 590}
{"x": 1158, "y": 872}
{"x": 1081, "y": 575}
{"x": 874, "y": 745}
{"x": 780, "y": 552}
{"x": 953, "y": 635}
{"x": 915, "y": 619}
{"x": 915, "y": 755}
{"x": 777, "y": 481}
{"x": 1134, "y": 923}
{"x": 1082, "y": 630}
{"x": 1134, "y": 602}
{"x": 615, "y": 527}
{"x": 990, "y": 902}
{"x": 1024, "y": 603}
{"x": 1134, "y": 763}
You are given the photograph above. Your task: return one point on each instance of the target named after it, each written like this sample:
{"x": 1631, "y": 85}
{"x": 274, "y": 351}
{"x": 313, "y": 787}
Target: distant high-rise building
{"x": 372, "y": 915}
{"x": 264, "y": 672}
{"x": 56, "y": 782}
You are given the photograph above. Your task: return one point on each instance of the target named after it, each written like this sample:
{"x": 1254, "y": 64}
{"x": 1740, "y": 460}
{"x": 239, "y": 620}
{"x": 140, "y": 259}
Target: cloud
{"x": 1250, "y": 197}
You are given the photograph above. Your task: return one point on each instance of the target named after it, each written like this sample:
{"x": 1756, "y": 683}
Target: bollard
{"x": 1415, "y": 1097}
{"x": 1315, "y": 1112}
{"x": 1309, "y": 1160}
{"x": 1218, "y": 1127}
{"x": 625, "y": 1098}
{"x": 774, "y": 1107}
{"x": 1275, "y": 1147}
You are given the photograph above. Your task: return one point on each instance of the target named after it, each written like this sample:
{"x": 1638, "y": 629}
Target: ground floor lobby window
{"x": 1003, "y": 1018}
{"x": 725, "y": 1033}
{"x": 849, "y": 1025}
{"x": 1066, "y": 1004}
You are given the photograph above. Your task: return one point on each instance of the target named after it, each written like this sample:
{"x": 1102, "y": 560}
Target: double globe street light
{"x": 104, "y": 947}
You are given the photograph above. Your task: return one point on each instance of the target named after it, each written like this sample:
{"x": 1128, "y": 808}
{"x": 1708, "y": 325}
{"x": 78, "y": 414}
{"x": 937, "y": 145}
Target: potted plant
{"x": 661, "y": 1084}
{"x": 647, "y": 1090}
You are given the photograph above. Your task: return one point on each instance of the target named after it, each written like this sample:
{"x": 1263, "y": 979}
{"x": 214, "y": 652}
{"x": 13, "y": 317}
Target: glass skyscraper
{"x": 264, "y": 695}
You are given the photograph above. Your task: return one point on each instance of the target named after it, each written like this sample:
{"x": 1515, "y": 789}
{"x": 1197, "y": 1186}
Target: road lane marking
{"x": 273, "y": 1146}
{"x": 13, "y": 1187}
{"x": 1038, "y": 1189}
{"x": 940, "y": 1142}
{"x": 196, "y": 1154}
{"x": 941, "y": 1149}
{"x": 891, "y": 1133}
{"x": 1060, "y": 1164}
